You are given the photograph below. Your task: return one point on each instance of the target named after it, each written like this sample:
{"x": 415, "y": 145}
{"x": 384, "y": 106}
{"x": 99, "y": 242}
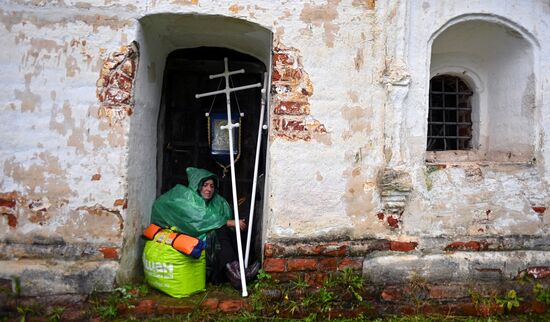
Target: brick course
{"x": 301, "y": 264}
{"x": 274, "y": 265}
{"x": 402, "y": 246}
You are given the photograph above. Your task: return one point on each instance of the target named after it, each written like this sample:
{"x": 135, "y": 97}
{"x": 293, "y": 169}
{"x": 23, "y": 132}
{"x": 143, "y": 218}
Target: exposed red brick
{"x": 291, "y": 108}
{"x": 539, "y": 210}
{"x": 96, "y": 177}
{"x": 285, "y": 125}
{"x": 390, "y": 294}
{"x": 210, "y": 304}
{"x": 302, "y": 264}
{"x": 268, "y": 250}
{"x": 274, "y": 265}
{"x": 402, "y": 246}
{"x": 145, "y": 307}
{"x": 124, "y": 82}
{"x": 536, "y": 272}
{"x": 275, "y": 76}
{"x": 228, "y": 306}
{"x": 487, "y": 309}
{"x": 12, "y": 220}
{"x": 37, "y": 205}
{"x": 175, "y": 309}
{"x": 284, "y": 277}
{"x": 294, "y": 136}
{"x": 307, "y": 249}
{"x": 119, "y": 202}
{"x": 470, "y": 245}
{"x": 114, "y": 86}
{"x": 74, "y": 315}
{"x": 455, "y": 245}
{"x": 338, "y": 250}
{"x": 393, "y": 222}
{"x": 122, "y": 308}
{"x": 275, "y": 250}
{"x": 538, "y": 307}
{"x": 380, "y": 215}
{"x": 438, "y": 293}
{"x": 468, "y": 309}
{"x": 109, "y": 252}
{"x": 353, "y": 263}
{"x": 281, "y": 57}
{"x": 9, "y": 203}
{"x": 407, "y": 310}
{"x": 328, "y": 264}
{"x": 290, "y": 75}
{"x": 315, "y": 279}
{"x": 473, "y": 245}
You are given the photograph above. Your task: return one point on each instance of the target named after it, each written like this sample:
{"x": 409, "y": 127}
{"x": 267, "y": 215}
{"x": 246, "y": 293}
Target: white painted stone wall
{"x": 455, "y": 201}
{"x": 369, "y": 64}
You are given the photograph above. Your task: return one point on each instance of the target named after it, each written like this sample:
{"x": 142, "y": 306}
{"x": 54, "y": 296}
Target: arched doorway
{"x": 163, "y": 38}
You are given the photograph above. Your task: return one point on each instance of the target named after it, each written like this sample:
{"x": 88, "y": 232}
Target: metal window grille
{"x": 450, "y": 114}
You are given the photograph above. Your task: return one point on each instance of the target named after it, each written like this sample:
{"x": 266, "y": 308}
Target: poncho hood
{"x": 197, "y": 176}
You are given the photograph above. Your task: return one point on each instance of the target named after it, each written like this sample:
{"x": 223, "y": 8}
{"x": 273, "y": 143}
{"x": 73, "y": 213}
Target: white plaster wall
{"x": 53, "y": 143}
{"x": 452, "y": 201}
{"x": 310, "y": 182}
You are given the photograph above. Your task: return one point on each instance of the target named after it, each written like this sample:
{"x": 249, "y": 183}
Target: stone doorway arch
{"x": 158, "y": 36}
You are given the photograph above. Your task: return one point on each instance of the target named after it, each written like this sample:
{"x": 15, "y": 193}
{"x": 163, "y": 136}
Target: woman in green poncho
{"x": 199, "y": 211}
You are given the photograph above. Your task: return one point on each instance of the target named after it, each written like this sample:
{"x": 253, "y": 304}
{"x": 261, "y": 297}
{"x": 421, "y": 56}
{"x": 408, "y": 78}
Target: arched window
{"x": 450, "y": 114}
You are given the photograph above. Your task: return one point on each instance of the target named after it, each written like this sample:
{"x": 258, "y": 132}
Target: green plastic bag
{"x": 170, "y": 271}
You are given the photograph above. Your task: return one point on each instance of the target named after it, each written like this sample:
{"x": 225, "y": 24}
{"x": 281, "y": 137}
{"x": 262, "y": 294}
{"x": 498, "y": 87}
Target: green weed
{"x": 26, "y": 310}
{"x": 542, "y": 294}
{"x": 55, "y": 314}
{"x": 509, "y": 301}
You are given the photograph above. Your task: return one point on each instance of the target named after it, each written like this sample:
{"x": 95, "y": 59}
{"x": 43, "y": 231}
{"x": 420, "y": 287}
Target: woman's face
{"x": 207, "y": 189}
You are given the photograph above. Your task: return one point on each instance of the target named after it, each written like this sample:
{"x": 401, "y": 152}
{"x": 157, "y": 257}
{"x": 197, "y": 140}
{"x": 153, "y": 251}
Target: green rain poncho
{"x": 184, "y": 208}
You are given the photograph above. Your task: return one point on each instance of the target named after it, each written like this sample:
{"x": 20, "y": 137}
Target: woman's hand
{"x": 231, "y": 223}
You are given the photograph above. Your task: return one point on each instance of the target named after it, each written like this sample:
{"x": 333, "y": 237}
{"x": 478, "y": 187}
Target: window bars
{"x": 449, "y": 118}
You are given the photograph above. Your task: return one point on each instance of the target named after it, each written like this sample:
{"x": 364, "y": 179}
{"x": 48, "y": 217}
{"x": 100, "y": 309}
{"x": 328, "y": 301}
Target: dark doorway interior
{"x": 183, "y": 126}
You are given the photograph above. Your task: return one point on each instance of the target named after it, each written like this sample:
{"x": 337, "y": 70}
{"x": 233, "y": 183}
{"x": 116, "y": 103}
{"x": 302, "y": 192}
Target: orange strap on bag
{"x": 188, "y": 245}
{"x": 151, "y": 231}
{"x": 184, "y": 244}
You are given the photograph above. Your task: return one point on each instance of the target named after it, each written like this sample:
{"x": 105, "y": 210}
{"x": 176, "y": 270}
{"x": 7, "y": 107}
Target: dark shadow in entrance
{"x": 183, "y": 126}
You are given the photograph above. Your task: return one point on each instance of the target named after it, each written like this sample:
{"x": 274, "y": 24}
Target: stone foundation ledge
{"x": 58, "y": 250}
{"x": 426, "y": 245}
{"x": 31, "y": 277}
{"x": 458, "y": 267}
